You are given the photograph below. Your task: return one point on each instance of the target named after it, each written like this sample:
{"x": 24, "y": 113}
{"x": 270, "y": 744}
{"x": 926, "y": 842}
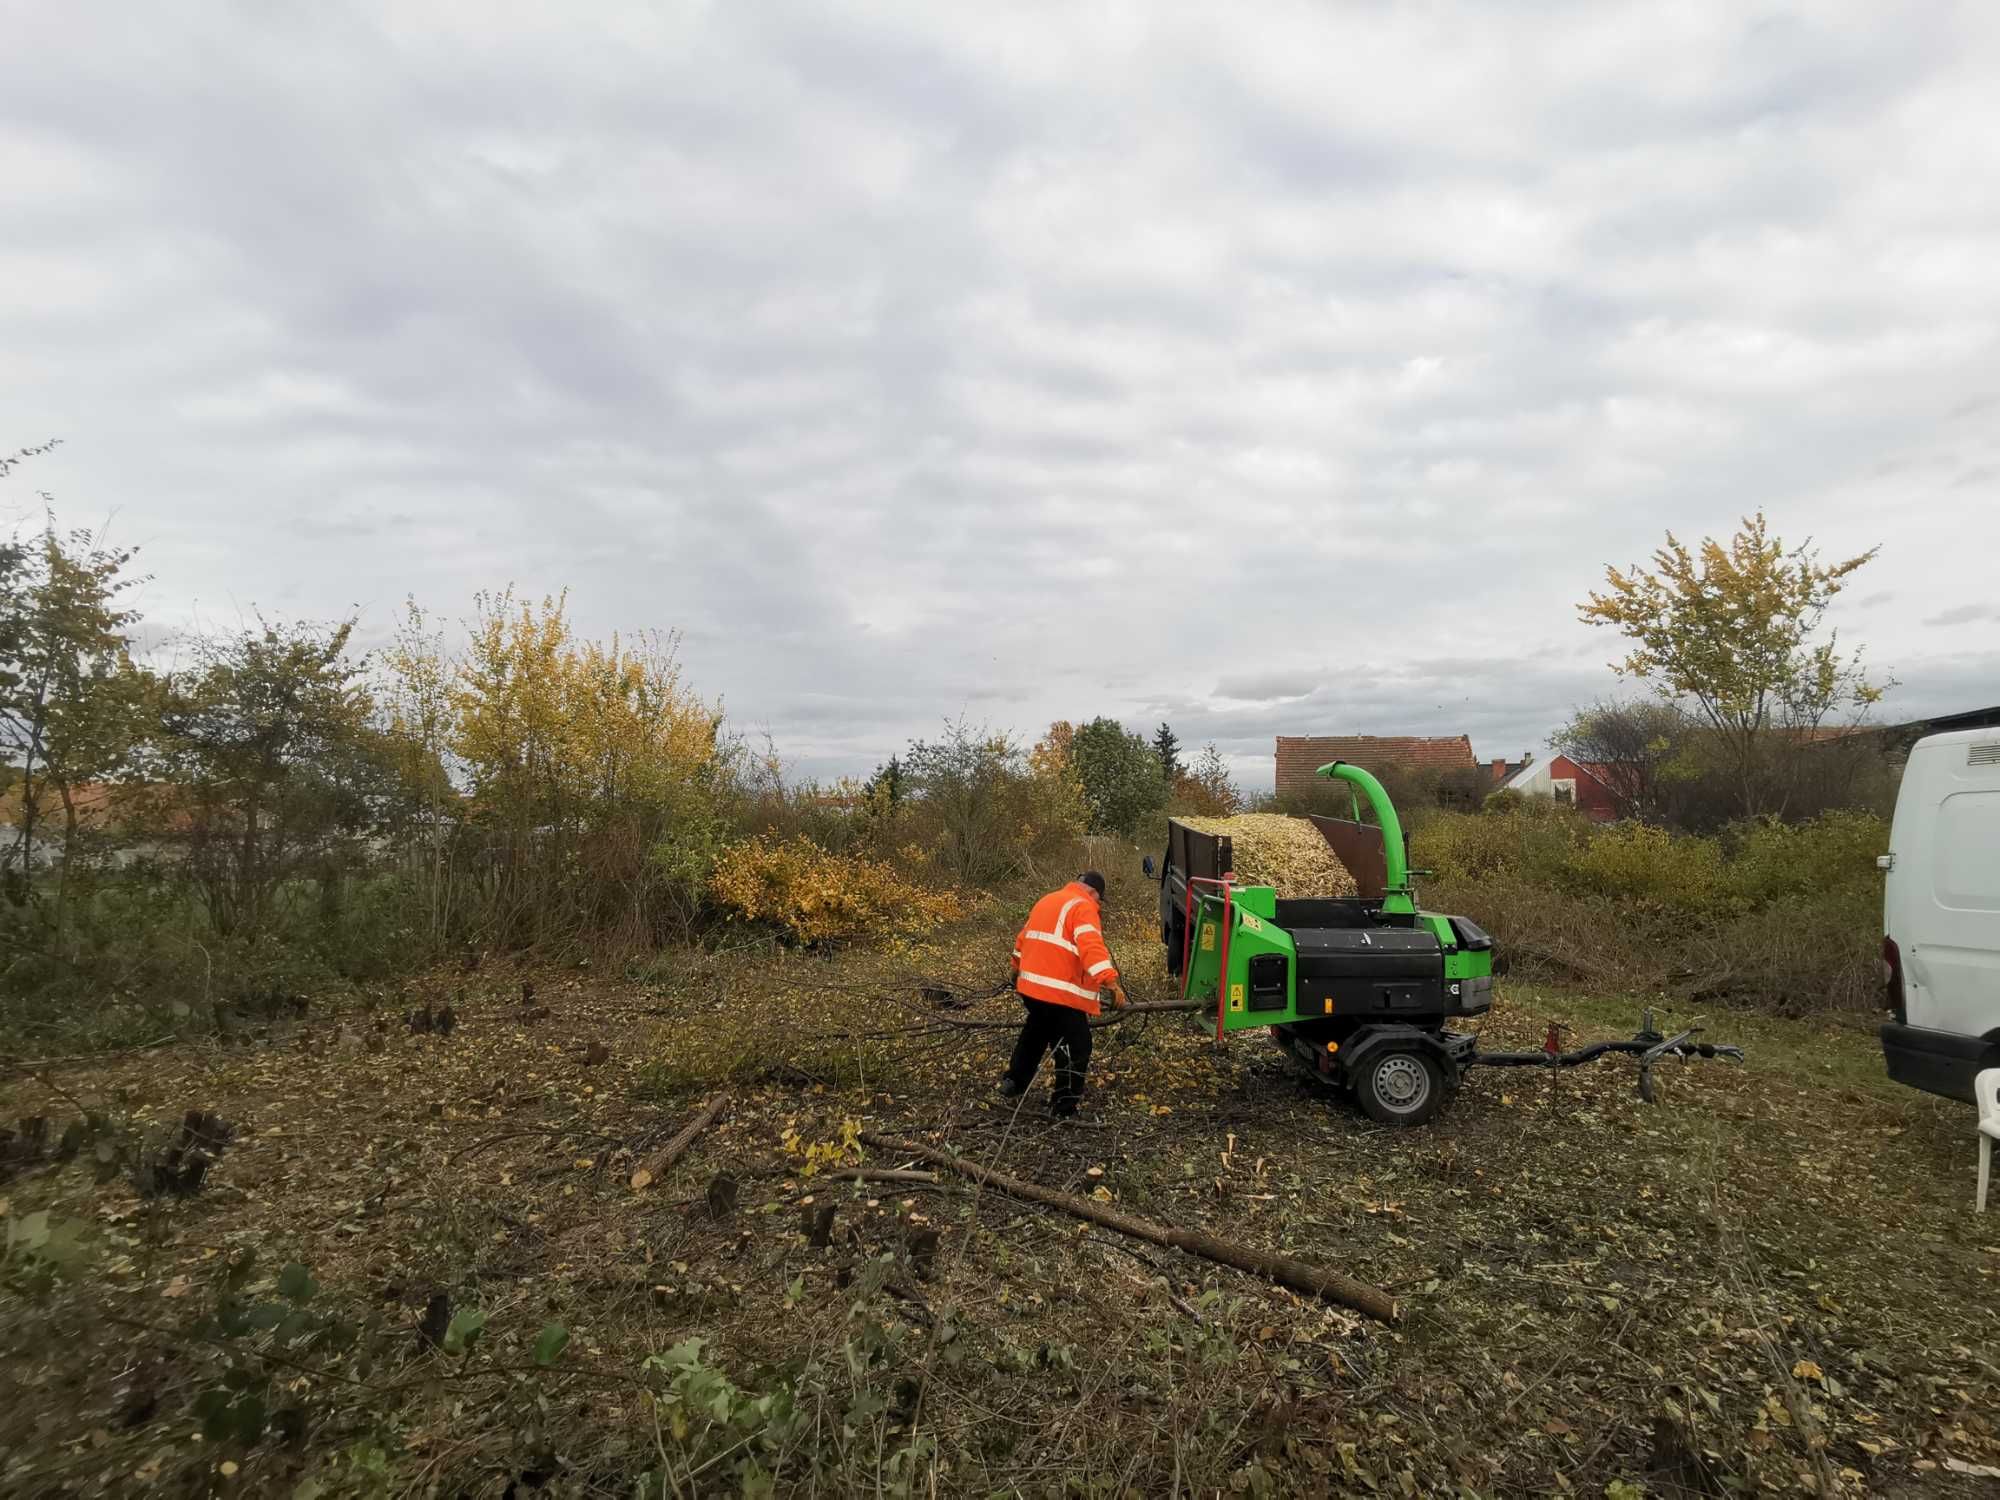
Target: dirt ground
{"x": 417, "y": 1266}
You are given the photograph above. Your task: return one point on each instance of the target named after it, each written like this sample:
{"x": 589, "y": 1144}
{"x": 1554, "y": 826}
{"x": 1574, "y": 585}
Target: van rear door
{"x": 1941, "y": 912}
{"x": 1955, "y": 955}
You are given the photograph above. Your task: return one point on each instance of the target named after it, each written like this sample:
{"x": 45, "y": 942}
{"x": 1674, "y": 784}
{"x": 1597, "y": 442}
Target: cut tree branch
{"x": 1108, "y": 1018}
{"x": 650, "y": 1170}
{"x": 1300, "y": 1276}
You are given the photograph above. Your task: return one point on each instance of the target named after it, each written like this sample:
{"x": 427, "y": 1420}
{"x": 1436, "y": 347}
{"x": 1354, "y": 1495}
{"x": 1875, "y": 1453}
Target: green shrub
{"x": 1631, "y": 862}
{"x": 1536, "y": 838}
{"x": 1786, "y": 917}
{"x": 1772, "y": 861}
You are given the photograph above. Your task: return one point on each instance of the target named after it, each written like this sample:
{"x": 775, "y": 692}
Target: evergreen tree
{"x": 888, "y": 780}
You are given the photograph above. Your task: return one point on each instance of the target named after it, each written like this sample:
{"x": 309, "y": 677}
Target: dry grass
{"x": 1768, "y": 1281}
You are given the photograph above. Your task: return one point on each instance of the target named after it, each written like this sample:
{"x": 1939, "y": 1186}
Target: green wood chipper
{"x": 1359, "y": 989}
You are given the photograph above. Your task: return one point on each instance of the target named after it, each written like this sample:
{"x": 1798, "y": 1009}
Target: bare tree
{"x": 1631, "y": 747}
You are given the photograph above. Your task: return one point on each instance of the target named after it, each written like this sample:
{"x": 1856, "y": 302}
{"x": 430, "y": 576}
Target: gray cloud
{"x": 918, "y": 361}
{"x": 1965, "y": 614}
{"x": 1268, "y": 687}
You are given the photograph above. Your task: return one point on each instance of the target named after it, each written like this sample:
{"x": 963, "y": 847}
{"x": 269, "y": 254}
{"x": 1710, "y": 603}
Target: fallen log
{"x": 650, "y": 1170}
{"x": 1299, "y": 1275}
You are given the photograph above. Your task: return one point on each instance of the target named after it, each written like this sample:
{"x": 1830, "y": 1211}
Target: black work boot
{"x": 1011, "y": 1090}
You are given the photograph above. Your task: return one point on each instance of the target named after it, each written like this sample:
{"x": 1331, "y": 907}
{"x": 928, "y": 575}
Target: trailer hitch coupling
{"x": 1649, "y": 1046}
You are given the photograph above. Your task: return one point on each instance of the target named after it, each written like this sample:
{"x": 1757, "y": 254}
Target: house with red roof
{"x": 1582, "y": 784}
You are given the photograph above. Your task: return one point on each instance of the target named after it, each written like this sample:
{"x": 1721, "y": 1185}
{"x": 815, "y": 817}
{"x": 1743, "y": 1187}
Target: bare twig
{"x": 32, "y": 1065}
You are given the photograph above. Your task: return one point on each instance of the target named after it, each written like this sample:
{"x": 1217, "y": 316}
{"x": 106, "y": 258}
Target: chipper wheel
{"x": 1401, "y": 1087}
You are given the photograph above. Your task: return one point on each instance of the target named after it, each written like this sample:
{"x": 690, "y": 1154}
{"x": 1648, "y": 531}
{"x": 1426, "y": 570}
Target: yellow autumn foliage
{"x": 594, "y": 782}
{"x": 816, "y": 897}
{"x": 553, "y": 727}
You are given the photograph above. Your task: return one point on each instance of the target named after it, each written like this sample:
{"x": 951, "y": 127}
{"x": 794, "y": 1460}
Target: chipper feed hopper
{"x": 1359, "y": 989}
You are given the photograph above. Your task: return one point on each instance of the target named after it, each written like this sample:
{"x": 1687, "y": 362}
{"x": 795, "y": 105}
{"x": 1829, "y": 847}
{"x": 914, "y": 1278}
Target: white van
{"x": 1941, "y": 915}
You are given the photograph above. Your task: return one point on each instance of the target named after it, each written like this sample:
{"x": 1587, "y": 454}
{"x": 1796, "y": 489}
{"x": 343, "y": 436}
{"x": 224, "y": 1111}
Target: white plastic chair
{"x": 1986, "y": 1089}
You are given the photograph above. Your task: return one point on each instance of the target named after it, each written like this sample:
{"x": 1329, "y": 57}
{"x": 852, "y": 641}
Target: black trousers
{"x": 1067, "y": 1030}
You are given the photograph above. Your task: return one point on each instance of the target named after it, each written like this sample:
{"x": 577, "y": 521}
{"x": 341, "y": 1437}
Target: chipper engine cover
{"x": 1382, "y": 971}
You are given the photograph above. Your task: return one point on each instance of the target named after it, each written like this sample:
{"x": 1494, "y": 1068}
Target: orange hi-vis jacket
{"x": 1059, "y": 955}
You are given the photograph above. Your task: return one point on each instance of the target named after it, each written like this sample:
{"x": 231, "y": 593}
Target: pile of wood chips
{"x": 1289, "y": 853}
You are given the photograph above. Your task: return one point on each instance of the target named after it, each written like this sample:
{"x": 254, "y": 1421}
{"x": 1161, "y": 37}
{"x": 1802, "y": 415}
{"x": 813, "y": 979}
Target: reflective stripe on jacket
{"x": 1059, "y": 954}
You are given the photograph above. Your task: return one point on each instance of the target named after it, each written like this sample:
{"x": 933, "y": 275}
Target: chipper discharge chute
{"x": 1358, "y": 988}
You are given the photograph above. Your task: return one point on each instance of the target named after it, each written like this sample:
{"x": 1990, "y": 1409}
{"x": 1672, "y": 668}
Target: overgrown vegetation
{"x": 422, "y": 1267}
{"x": 817, "y": 898}
{"x": 1782, "y": 916}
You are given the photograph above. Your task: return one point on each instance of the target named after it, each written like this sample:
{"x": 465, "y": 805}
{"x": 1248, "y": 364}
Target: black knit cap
{"x": 1092, "y": 879}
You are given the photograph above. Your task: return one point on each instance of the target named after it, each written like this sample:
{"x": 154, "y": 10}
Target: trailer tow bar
{"x": 1649, "y": 1046}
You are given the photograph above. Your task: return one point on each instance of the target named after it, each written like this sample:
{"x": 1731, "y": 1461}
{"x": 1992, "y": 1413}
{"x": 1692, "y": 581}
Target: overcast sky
{"x": 1264, "y": 368}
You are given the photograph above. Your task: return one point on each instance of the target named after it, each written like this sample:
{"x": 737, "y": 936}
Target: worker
{"x": 1062, "y": 971}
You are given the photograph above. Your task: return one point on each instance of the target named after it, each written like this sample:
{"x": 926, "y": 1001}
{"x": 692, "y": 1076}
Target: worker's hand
{"x": 1113, "y": 994}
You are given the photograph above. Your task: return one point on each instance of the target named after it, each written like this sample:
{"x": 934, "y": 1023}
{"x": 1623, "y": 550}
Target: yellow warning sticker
{"x": 1208, "y": 939}
{"x": 1251, "y": 924}
{"x": 1236, "y": 997}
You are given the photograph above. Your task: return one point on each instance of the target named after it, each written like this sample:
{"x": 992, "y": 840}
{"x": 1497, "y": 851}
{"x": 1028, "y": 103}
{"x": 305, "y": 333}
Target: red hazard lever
{"x": 1552, "y": 1043}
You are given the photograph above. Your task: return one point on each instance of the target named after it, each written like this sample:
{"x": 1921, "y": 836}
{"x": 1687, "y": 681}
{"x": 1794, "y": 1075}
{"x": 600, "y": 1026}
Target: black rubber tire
{"x": 1401, "y": 1088}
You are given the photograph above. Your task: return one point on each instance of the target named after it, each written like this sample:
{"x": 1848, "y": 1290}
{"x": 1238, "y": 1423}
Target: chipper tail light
{"x": 1892, "y": 979}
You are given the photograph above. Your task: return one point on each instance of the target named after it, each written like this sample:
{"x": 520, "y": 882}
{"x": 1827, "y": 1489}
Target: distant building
{"x": 125, "y": 822}
{"x": 1581, "y": 784}
{"x": 1299, "y": 756}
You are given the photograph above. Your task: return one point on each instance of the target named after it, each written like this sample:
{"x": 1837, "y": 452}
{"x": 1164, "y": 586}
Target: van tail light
{"x": 1892, "y": 980}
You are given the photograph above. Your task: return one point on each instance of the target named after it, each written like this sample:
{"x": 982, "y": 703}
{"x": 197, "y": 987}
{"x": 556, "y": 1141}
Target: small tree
{"x": 1637, "y": 750}
{"x": 579, "y": 758}
{"x": 1120, "y": 776}
{"x": 984, "y": 815}
{"x": 1728, "y": 631}
{"x": 1206, "y": 788}
{"x": 273, "y": 766}
{"x": 1167, "y": 745}
{"x": 415, "y": 701}
{"x": 71, "y": 701}
{"x": 1050, "y": 754}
